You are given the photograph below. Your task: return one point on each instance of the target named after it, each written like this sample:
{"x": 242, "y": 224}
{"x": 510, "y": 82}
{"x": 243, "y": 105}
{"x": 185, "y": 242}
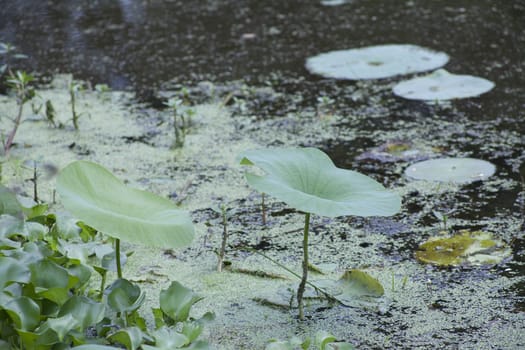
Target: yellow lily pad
{"x": 464, "y": 248}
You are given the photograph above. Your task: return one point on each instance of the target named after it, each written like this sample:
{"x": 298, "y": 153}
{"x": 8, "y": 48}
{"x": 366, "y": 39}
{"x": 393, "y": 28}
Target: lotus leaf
{"x": 466, "y": 247}
{"x": 102, "y": 201}
{"x": 456, "y": 170}
{"x": 442, "y": 85}
{"x": 375, "y": 62}
{"x": 308, "y": 180}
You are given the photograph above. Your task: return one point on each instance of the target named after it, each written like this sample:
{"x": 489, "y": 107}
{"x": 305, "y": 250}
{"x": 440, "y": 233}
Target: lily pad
{"x": 464, "y": 248}
{"x": 442, "y": 85}
{"x": 455, "y": 170}
{"x": 376, "y": 62}
{"x": 97, "y": 197}
{"x": 308, "y": 180}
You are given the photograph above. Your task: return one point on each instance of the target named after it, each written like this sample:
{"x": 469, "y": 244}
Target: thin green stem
{"x": 302, "y": 285}
{"x": 117, "y": 255}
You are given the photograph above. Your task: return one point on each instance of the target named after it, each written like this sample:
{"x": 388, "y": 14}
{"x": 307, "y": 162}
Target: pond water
{"x": 149, "y": 46}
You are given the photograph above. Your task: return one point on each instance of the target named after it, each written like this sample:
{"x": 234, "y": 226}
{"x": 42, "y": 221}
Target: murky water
{"x": 145, "y": 45}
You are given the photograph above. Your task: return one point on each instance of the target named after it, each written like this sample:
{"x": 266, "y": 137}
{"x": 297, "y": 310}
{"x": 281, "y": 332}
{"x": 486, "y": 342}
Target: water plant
{"x": 307, "y": 180}
{"x": 98, "y": 198}
{"x": 19, "y": 82}
{"x": 323, "y": 340}
{"x": 47, "y": 300}
{"x": 74, "y": 89}
{"x": 8, "y": 51}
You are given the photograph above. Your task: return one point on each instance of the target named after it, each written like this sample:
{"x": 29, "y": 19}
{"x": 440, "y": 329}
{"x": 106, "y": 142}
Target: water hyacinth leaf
{"x": 322, "y": 338}
{"x": 167, "y": 339}
{"x": 86, "y": 311}
{"x": 24, "y": 312}
{"x": 130, "y": 337}
{"x": 454, "y": 170}
{"x": 46, "y": 274}
{"x": 9, "y": 203}
{"x": 308, "y": 180}
{"x": 177, "y": 300}
{"x": 123, "y": 296}
{"x": 442, "y": 85}
{"x": 97, "y": 197}
{"x": 62, "y": 325}
{"x": 464, "y": 248}
{"x": 93, "y": 347}
{"x": 11, "y": 270}
{"x": 375, "y": 62}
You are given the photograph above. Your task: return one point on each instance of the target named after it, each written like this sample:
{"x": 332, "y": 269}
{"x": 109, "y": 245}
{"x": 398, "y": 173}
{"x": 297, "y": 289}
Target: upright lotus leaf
{"x": 102, "y": 201}
{"x": 455, "y": 170}
{"x": 376, "y": 62}
{"x": 442, "y": 85}
{"x": 308, "y": 180}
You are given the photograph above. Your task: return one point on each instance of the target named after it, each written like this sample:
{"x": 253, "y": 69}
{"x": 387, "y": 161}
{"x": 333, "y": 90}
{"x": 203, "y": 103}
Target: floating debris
{"x": 442, "y": 85}
{"x": 464, "y": 248}
{"x": 394, "y": 151}
{"x": 455, "y": 170}
{"x": 375, "y": 62}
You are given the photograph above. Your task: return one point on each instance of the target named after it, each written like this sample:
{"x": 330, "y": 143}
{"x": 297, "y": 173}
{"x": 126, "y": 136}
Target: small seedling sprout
{"x": 19, "y": 82}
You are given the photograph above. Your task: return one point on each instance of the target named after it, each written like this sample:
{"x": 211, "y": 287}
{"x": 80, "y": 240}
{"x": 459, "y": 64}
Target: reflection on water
{"x": 141, "y": 43}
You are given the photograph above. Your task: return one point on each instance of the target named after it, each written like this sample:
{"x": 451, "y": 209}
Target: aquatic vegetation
{"x": 442, "y": 85}
{"x": 375, "y": 62}
{"x": 47, "y": 300}
{"x": 19, "y": 82}
{"x": 322, "y": 341}
{"x": 397, "y": 150}
{"x": 455, "y": 170}
{"x": 8, "y": 53}
{"x": 182, "y": 117}
{"x": 464, "y": 248}
{"x": 307, "y": 180}
{"x": 102, "y": 201}
{"x": 74, "y": 89}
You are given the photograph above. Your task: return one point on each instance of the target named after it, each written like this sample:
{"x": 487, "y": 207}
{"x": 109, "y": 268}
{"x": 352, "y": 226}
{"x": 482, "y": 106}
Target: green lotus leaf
{"x": 375, "y": 62}
{"x": 442, "y": 85}
{"x": 102, "y": 201}
{"x": 308, "y": 180}
{"x": 454, "y": 170}
{"x": 464, "y": 248}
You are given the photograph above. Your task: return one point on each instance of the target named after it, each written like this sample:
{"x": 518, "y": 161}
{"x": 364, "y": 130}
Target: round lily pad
{"x": 442, "y": 85}
{"x": 375, "y": 62}
{"x": 464, "y": 248}
{"x": 456, "y": 170}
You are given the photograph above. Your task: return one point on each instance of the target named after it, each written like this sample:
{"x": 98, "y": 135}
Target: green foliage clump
{"x": 48, "y": 299}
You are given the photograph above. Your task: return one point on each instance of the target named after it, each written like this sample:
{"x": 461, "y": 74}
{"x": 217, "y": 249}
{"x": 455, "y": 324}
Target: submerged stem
{"x": 117, "y": 255}
{"x": 302, "y": 285}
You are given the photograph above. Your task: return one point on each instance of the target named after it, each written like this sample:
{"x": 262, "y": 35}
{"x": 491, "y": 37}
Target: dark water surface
{"x": 142, "y": 45}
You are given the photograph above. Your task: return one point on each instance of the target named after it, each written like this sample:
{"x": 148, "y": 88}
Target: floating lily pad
{"x": 334, "y": 2}
{"x": 464, "y": 248}
{"x": 442, "y": 85}
{"x": 375, "y": 62}
{"x": 456, "y": 170}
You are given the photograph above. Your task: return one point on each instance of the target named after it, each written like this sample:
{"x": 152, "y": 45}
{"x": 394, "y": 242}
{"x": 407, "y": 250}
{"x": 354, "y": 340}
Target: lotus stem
{"x": 117, "y": 255}
{"x": 11, "y": 137}
{"x": 224, "y": 238}
{"x": 302, "y": 285}
{"x": 263, "y": 209}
